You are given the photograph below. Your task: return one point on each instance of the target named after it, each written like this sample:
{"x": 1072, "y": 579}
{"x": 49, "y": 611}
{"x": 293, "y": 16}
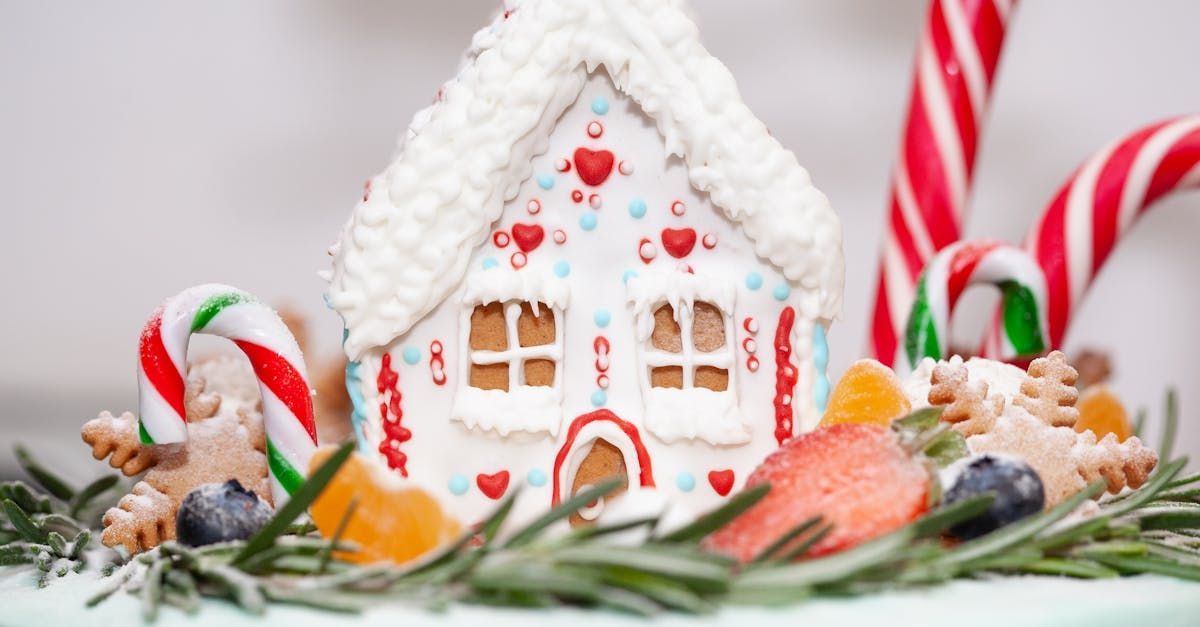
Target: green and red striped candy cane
{"x": 228, "y": 312}
{"x": 967, "y": 263}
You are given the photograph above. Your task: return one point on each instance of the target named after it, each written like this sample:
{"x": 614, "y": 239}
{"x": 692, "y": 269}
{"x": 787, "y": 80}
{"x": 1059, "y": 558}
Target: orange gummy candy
{"x": 1101, "y": 412}
{"x": 392, "y": 521}
{"x": 869, "y": 393}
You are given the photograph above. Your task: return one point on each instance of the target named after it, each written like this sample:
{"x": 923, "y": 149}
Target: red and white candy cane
{"x": 961, "y": 265}
{"x": 256, "y": 329}
{"x": 955, "y": 67}
{"x": 1098, "y": 205}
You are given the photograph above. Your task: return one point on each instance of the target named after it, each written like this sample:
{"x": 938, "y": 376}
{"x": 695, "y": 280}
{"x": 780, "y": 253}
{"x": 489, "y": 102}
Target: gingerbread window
{"x": 511, "y": 335}
{"x": 513, "y": 345}
{"x": 686, "y": 355}
{"x": 691, "y": 359}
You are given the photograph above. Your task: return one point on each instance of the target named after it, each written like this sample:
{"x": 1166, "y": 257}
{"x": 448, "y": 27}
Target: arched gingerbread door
{"x": 597, "y": 446}
{"x": 602, "y": 462}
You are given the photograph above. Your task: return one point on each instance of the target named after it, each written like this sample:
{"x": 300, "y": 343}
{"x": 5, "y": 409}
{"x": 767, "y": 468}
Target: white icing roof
{"x": 406, "y": 247}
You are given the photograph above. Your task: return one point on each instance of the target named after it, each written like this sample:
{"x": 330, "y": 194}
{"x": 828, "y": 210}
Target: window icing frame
{"x": 690, "y": 412}
{"x": 530, "y": 408}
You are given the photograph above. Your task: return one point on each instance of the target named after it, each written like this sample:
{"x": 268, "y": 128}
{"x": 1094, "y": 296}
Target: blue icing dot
{"x": 754, "y": 280}
{"x": 602, "y": 318}
{"x": 685, "y": 481}
{"x": 599, "y": 398}
{"x": 412, "y": 355}
{"x": 545, "y": 181}
{"x": 562, "y": 269}
{"x": 490, "y": 262}
{"x": 628, "y": 274}
{"x": 781, "y": 291}
{"x": 599, "y": 105}
{"x": 637, "y": 208}
{"x": 458, "y": 485}
{"x": 536, "y": 478}
{"x": 587, "y": 221}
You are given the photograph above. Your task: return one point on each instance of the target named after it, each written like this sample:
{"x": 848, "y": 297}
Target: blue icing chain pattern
{"x": 545, "y": 181}
{"x": 821, "y": 364}
{"x": 600, "y": 105}
{"x": 357, "y": 416}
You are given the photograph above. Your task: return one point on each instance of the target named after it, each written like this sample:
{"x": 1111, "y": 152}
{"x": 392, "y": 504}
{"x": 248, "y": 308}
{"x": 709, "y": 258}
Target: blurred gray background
{"x": 148, "y": 146}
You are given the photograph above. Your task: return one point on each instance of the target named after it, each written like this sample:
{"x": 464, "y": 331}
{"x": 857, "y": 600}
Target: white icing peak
{"x": 407, "y": 246}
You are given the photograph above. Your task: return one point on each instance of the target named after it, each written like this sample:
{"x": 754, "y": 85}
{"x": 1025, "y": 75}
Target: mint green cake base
{"x": 1004, "y": 602}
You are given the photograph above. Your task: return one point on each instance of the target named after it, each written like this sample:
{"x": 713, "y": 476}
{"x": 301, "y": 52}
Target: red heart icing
{"x": 721, "y": 480}
{"x": 678, "y": 242}
{"x": 493, "y": 486}
{"x": 528, "y": 236}
{"x": 593, "y": 166}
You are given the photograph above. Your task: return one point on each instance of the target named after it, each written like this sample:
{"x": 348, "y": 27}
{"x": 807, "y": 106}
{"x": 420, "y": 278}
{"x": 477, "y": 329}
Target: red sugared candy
{"x": 856, "y": 476}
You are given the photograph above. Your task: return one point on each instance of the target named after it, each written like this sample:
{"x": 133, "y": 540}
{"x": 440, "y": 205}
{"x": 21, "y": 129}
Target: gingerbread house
{"x": 588, "y": 258}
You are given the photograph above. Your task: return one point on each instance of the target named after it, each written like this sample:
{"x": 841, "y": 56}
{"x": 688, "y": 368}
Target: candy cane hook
{"x": 258, "y": 331}
{"x": 960, "y": 265}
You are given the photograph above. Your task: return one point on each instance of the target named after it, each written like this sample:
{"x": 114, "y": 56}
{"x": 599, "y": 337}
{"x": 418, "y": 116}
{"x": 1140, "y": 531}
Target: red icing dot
{"x": 519, "y": 260}
{"x": 625, "y": 168}
{"x": 749, "y": 345}
{"x": 709, "y": 241}
{"x": 594, "y": 201}
{"x": 646, "y": 250}
{"x": 595, "y": 129}
{"x": 750, "y": 325}
{"x": 678, "y": 208}
{"x": 602, "y": 382}
{"x": 752, "y": 363}
{"x": 500, "y": 239}
{"x": 577, "y": 196}
{"x": 533, "y": 207}
{"x": 560, "y": 236}
{"x": 562, "y": 165}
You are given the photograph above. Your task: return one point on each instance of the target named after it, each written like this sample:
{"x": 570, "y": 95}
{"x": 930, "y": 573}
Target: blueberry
{"x": 219, "y": 512}
{"x": 1018, "y": 489}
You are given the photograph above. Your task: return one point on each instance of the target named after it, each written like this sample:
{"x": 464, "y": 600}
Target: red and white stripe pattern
{"x": 259, "y": 332}
{"x": 955, "y": 67}
{"x": 1098, "y": 205}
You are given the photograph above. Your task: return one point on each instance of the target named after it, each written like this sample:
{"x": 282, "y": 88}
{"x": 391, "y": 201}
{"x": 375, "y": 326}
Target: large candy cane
{"x": 1098, "y": 205}
{"x": 949, "y": 274}
{"x": 956, "y": 64}
{"x": 256, "y": 329}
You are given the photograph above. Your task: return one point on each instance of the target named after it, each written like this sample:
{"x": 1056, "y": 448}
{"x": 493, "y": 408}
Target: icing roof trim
{"x": 407, "y": 244}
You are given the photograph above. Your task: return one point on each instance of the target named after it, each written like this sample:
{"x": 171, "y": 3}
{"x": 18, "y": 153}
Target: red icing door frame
{"x": 645, "y": 472}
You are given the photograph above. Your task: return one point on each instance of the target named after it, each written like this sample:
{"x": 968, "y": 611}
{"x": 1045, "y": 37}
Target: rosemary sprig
{"x": 1154, "y": 529}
